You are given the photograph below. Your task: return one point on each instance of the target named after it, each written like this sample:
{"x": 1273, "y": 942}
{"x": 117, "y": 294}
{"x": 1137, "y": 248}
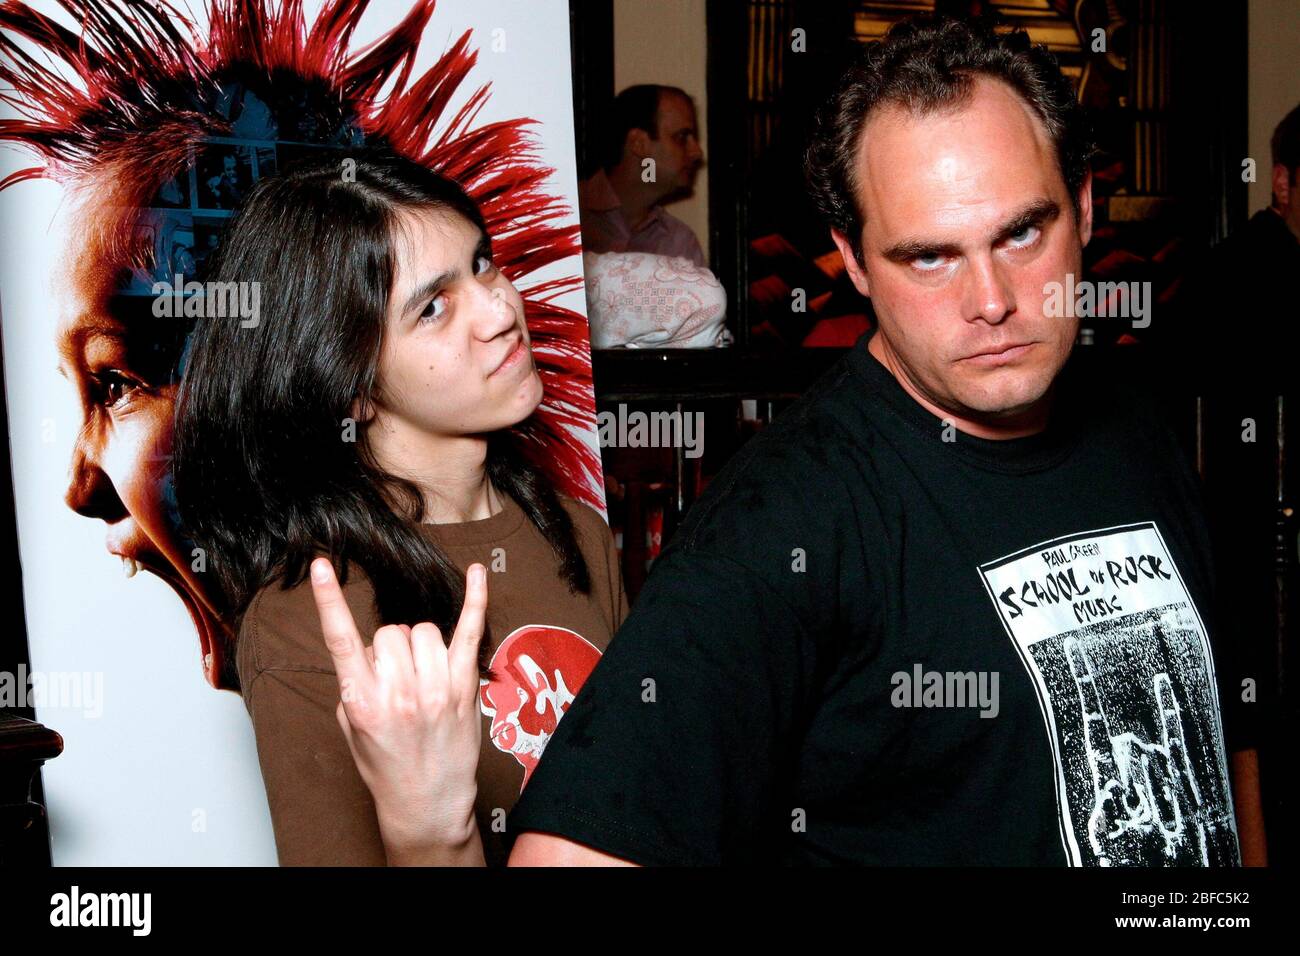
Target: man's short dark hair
{"x": 637, "y": 107}
{"x": 926, "y": 64}
{"x": 1284, "y": 147}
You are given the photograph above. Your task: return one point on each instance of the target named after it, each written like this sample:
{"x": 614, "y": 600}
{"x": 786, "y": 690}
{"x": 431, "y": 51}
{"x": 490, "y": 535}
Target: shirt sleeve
{"x": 695, "y": 252}
{"x": 674, "y": 750}
{"x": 681, "y": 240}
{"x": 322, "y": 813}
{"x": 321, "y": 810}
{"x": 601, "y": 554}
{"x": 599, "y": 233}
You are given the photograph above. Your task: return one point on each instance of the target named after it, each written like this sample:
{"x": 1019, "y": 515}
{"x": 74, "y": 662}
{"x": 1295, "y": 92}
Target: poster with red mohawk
{"x": 130, "y": 131}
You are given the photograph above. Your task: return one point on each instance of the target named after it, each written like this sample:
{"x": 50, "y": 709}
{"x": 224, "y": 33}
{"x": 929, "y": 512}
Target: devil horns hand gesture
{"x": 409, "y": 711}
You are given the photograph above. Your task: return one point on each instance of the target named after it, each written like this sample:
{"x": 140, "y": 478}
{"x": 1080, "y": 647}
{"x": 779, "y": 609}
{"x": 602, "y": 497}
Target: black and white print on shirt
{"x": 1121, "y": 662}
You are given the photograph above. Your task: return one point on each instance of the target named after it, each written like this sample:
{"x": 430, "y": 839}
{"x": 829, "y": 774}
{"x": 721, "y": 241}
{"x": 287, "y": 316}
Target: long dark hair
{"x": 264, "y": 478}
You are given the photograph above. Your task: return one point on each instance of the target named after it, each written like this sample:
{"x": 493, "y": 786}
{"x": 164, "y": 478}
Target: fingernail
{"x": 480, "y": 573}
{"x": 320, "y": 571}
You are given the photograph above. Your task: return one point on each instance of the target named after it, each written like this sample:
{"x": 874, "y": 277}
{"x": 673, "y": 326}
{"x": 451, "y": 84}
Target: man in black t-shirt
{"x": 956, "y": 605}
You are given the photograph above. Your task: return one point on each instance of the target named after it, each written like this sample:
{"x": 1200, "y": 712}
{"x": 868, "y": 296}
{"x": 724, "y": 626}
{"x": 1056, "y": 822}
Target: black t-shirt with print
{"x": 877, "y": 639}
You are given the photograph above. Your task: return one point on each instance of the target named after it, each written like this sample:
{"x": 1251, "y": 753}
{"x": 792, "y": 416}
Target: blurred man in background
{"x": 651, "y": 160}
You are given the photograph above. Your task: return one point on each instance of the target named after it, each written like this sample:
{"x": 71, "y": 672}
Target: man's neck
{"x": 1030, "y": 422}
{"x": 636, "y": 197}
{"x": 1291, "y": 222}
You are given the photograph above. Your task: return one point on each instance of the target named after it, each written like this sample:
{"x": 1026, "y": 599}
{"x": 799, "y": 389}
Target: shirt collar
{"x": 596, "y": 194}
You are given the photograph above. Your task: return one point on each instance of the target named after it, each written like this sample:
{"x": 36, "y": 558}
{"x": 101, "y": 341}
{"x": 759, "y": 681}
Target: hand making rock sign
{"x": 410, "y": 713}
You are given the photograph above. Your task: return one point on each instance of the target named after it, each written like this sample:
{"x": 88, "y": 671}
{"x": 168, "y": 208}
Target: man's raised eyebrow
{"x": 910, "y": 249}
{"x": 1035, "y": 213}
{"x": 431, "y": 288}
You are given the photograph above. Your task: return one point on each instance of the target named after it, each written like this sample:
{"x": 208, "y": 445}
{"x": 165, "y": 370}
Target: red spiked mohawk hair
{"x": 133, "y": 97}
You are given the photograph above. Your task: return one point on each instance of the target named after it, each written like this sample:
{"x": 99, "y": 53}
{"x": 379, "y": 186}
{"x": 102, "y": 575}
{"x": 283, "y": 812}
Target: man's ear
{"x": 1282, "y": 191}
{"x": 637, "y": 143}
{"x": 857, "y": 274}
{"x": 1085, "y": 209}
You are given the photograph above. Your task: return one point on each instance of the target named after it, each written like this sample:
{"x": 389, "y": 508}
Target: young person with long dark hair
{"x": 360, "y": 433}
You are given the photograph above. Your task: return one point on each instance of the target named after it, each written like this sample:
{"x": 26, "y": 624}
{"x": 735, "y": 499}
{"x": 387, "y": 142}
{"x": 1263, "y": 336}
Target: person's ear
{"x": 857, "y": 274}
{"x": 362, "y": 411}
{"x": 638, "y": 143}
{"x": 1282, "y": 188}
{"x": 1085, "y": 209}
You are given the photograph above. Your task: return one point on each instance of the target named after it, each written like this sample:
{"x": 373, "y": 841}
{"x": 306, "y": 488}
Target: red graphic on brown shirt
{"x": 537, "y": 671}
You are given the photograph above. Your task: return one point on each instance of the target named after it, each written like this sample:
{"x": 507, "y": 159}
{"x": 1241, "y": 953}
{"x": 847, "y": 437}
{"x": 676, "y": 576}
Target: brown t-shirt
{"x": 545, "y": 642}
